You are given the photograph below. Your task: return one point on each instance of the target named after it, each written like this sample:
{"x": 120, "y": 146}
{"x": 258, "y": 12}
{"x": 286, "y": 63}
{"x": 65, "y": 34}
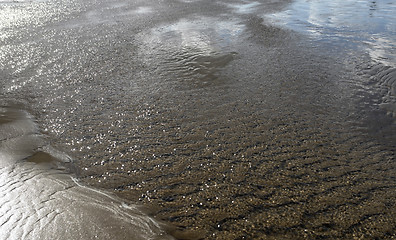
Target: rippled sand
{"x": 224, "y": 123}
{"x": 39, "y": 200}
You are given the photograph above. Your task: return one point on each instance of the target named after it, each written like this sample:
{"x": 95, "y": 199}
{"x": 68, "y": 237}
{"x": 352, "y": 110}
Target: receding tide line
{"x": 40, "y": 202}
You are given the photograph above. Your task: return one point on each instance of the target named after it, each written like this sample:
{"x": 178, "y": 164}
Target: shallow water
{"x": 229, "y": 119}
{"x": 358, "y": 29}
{"x": 368, "y": 26}
{"x": 40, "y": 200}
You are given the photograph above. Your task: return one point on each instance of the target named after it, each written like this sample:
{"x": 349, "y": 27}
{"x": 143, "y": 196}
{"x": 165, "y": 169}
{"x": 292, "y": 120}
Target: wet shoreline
{"x": 41, "y": 199}
{"x": 223, "y": 122}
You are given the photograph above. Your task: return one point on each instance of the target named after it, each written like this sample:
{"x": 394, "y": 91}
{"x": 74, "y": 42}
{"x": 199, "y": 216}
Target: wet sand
{"x": 40, "y": 199}
{"x": 225, "y": 123}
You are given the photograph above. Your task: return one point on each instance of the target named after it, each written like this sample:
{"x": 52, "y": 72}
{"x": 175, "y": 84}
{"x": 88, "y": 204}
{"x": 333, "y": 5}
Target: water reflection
{"x": 143, "y": 10}
{"x": 192, "y": 50}
{"x": 275, "y": 144}
{"x": 347, "y": 23}
{"x": 205, "y": 34}
{"x": 245, "y": 7}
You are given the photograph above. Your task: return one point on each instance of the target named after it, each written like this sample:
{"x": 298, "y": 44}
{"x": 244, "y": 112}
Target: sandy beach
{"x": 225, "y": 119}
